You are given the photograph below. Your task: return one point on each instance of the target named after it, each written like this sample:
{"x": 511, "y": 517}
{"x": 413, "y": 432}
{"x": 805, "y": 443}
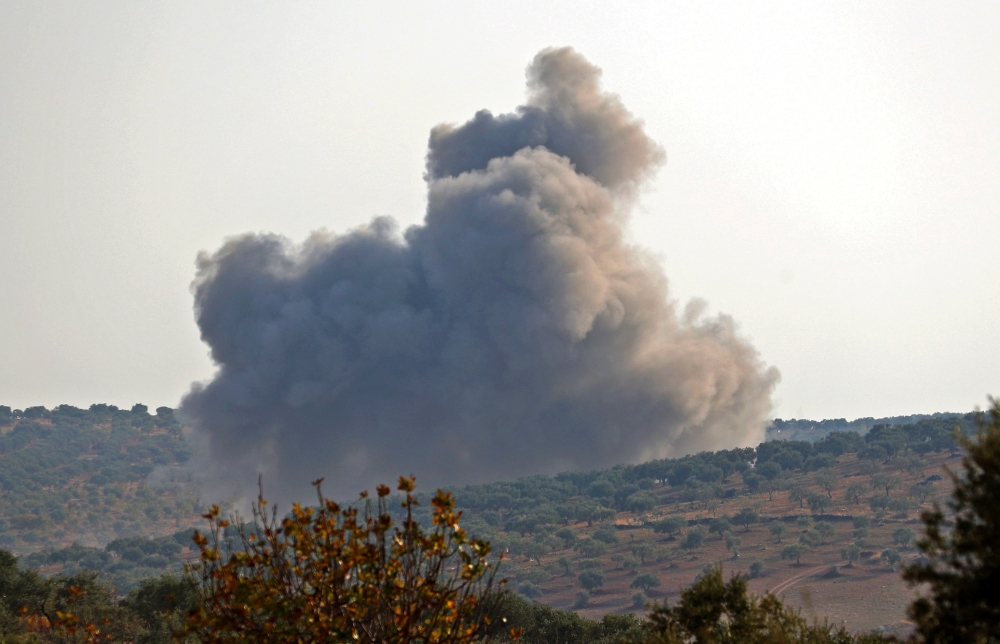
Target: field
{"x": 864, "y": 595}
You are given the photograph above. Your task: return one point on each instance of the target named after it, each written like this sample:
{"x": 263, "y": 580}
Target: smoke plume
{"x": 513, "y": 332}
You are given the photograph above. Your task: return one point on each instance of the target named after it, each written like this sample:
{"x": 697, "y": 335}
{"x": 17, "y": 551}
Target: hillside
{"x": 91, "y": 476}
{"x": 659, "y": 524}
{"x": 105, "y": 489}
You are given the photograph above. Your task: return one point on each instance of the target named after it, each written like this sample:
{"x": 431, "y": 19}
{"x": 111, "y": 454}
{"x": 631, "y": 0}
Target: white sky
{"x": 832, "y": 175}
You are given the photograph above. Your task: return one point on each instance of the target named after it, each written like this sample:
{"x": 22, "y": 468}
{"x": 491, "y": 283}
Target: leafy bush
{"x": 328, "y": 572}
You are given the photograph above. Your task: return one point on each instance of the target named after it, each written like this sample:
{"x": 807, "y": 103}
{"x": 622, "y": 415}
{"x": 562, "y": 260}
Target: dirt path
{"x": 788, "y": 583}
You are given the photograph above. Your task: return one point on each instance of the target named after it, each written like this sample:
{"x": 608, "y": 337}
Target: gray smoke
{"x": 514, "y": 332}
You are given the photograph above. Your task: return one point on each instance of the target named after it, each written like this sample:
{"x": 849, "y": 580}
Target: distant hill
{"x": 91, "y": 476}
{"x": 813, "y": 430}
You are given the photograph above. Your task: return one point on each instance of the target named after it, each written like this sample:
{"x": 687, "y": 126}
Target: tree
{"x": 771, "y": 486}
{"x": 752, "y": 481}
{"x": 851, "y": 553}
{"x": 61, "y": 609}
{"x": 529, "y": 590}
{"x": 565, "y": 563}
{"x": 854, "y": 492}
{"x": 592, "y": 512}
{"x": 922, "y": 490}
{"x": 343, "y": 573}
{"x": 811, "y": 538}
{"x": 794, "y": 551}
{"x": 891, "y": 557}
{"x": 902, "y": 536}
{"x": 591, "y": 579}
{"x": 670, "y": 526}
{"x": 694, "y": 538}
{"x": 745, "y": 517}
{"x": 590, "y": 547}
{"x": 825, "y": 530}
{"x": 892, "y": 482}
{"x": 878, "y": 504}
{"x": 733, "y": 544}
{"x": 719, "y": 526}
{"x": 645, "y": 581}
{"x": 642, "y": 550}
{"x": 756, "y": 569}
{"x": 777, "y": 528}
{"x": 797, "y": 493}
{"x": 962, "y": 567}
{"x": 769, "y": 470}
{"x": 568, "y": 537}
{"x": 817, "y": 503}
{"x": 711, "y": 611}
{"x": 828, "y": 480}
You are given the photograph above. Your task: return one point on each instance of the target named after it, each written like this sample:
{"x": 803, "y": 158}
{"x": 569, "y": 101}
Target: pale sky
{"x": 831, "y": 177}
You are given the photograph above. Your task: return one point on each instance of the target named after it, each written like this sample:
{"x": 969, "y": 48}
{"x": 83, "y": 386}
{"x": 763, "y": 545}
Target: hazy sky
{"x": 831, "y": 176}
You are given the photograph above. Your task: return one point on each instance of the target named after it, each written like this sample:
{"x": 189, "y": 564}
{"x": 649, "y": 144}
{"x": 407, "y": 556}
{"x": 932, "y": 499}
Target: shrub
{"x": 756, "y": 569}
{"x": 328, "y": 572}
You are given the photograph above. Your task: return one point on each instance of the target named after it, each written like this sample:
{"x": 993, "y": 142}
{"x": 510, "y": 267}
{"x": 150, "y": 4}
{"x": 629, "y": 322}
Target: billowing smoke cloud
{"x": 514, "y": 332}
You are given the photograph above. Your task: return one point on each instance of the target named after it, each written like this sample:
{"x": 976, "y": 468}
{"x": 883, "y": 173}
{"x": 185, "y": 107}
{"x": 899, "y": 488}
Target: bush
{"x": 582, "y": 599}
{"x": 639, "y": 600}
{"x": 746, "y": 517}
{"x": 756, "y": 569}
{"x": 390, "y": 580}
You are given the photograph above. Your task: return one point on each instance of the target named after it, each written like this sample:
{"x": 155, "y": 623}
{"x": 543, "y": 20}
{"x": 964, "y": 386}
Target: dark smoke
{"x": 514, "y": 332}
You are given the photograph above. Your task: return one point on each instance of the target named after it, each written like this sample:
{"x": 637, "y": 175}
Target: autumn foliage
{"x": 330, "y": 573}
